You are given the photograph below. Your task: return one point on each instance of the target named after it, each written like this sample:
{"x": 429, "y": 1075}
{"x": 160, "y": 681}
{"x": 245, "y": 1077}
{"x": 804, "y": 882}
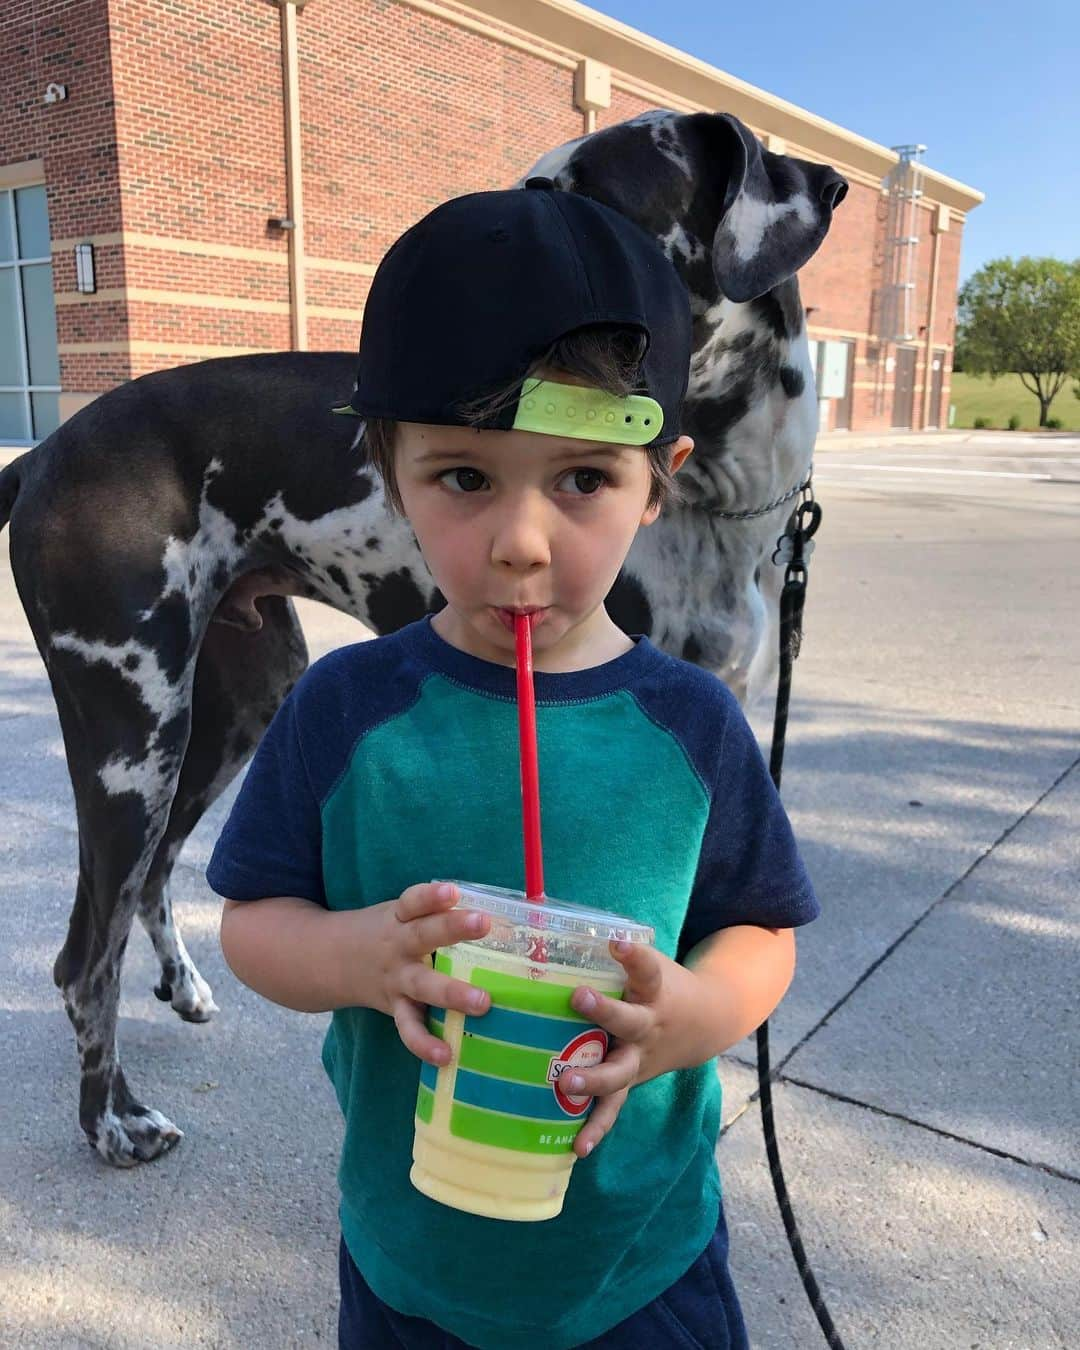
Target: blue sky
{"x": 992, "y": 89}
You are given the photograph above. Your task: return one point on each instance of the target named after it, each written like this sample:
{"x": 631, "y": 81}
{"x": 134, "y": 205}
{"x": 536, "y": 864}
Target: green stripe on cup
{"x": 521, "y": 994}
{"x": 425, "y": 1104}
{"x": 514, "y": 1132}
{"x": 535, "y": 996}
{"x": 505, "y": 1061}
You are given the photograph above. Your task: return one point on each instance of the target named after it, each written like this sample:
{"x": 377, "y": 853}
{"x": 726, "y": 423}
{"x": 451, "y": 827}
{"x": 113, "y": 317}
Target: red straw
{"x": 530, "y": 771}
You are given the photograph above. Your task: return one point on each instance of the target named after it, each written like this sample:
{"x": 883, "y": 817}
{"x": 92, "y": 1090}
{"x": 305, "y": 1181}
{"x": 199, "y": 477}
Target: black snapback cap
{"x": 468, "y": 297}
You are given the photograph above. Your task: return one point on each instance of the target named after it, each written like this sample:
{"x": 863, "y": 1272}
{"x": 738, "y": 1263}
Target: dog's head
{"x": 735, "y": 219}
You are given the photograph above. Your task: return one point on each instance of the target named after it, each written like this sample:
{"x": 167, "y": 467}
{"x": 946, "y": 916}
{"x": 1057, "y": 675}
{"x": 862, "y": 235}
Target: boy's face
{"x": 516, "y": 519}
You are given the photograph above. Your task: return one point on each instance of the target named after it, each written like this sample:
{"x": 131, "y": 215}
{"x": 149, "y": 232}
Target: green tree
{"x": 1024, "y": 316}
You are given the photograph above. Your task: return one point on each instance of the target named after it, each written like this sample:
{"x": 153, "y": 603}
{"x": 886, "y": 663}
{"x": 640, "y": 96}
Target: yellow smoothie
{"x": 494, "y": 1131}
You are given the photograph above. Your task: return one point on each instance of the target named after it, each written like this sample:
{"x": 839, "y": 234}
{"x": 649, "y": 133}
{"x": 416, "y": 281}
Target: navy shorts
{"x": 700, "y": 1311}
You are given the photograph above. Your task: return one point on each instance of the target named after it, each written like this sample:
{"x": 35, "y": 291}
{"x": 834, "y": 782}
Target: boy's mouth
{"x": 506, "y": 617}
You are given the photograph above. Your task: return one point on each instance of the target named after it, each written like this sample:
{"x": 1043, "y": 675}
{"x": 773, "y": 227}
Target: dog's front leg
{"x": 243, "y": 674}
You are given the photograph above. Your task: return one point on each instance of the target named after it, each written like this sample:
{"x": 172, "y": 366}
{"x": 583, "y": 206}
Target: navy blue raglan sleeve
{"x": 272, "y": 840}
{"x": 749, "y": 870}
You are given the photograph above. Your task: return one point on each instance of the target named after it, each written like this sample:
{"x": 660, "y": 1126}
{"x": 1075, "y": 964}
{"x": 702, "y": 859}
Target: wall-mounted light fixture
{"x": 84, "y": 269}
{"x": 55, "y": 93}
{"x": 281, "y": 223}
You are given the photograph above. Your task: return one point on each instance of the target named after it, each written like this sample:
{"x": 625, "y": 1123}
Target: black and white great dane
{"x": 157, "y": 536}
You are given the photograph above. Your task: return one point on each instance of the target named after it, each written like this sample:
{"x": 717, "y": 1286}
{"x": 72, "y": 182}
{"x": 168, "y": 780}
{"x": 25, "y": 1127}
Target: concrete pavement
{"x": 928, "y": 1096}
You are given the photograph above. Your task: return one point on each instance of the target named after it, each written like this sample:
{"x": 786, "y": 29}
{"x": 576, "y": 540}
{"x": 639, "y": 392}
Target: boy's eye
{"x": 452, "y": 478}
{"x": 594, "y": 476}
{"x": 586, "y": 481}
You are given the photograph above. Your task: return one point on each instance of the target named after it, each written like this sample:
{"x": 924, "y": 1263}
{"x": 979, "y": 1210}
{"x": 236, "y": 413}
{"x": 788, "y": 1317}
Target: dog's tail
{"x": 10, "y": 482}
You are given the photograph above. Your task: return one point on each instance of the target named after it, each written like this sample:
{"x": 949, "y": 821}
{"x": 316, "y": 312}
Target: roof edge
{"x": 585, "y": 32}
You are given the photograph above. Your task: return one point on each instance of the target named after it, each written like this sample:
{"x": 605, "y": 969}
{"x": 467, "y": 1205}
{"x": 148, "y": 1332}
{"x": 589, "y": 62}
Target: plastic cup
{"x": 494, "y": 1129}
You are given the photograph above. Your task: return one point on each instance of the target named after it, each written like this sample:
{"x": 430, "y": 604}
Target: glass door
{"x": 29, "y": 362}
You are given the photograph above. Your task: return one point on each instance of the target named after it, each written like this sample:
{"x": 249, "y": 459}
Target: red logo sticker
{"x": 583, "y": 1052}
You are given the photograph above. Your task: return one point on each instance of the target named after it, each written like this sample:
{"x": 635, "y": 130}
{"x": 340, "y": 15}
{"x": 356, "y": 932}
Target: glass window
{"x": 33, "y": 222}
{"x": 7, "y": 235}
{"x": 40, "y": 311}
{"x": 13, "y": 418}
{"x": 46, "y": 412}
{"x": 11, "y": 369}
{"x": 28, "y": 354}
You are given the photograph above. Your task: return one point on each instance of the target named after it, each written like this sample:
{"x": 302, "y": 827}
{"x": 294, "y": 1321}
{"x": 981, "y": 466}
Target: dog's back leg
{"x": 124, "y": 751}
{"x": 240, "y": 680}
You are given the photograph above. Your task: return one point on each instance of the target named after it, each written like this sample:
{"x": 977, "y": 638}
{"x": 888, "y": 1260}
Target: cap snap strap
{"x": 587, "y": 414}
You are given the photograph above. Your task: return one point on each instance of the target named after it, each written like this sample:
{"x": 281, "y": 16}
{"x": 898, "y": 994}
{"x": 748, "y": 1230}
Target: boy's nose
{"x": 522, "y": 538}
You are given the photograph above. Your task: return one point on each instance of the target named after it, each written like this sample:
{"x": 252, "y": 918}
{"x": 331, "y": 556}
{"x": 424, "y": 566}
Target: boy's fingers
{"x": 423, "y": 898}
{"x": 617, "y": 1072}
{"x": 644, "y": 970}
{"x": 628, "y": 1021}
{"x": 412, "y": 1028}
{"x": 426, "y": 986}
{"x": 423, "y": 935}
{"x": 604, "y": 1114}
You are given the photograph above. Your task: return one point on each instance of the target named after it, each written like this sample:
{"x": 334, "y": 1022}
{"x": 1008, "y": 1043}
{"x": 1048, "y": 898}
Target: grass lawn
{"x": 996, "y": 400}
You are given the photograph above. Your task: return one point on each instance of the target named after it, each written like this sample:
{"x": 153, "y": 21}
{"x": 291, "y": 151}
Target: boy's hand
{"x": 403, "y": 981}
{"x": 657, "y": 997}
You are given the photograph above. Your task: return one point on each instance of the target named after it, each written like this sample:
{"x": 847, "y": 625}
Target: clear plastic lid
{"x": 560, "y": 918}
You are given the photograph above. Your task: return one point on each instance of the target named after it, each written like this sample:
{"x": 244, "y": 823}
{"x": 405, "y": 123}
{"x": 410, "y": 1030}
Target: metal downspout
{"x": 928, "y": 356}
{"x": 294, "y": 177}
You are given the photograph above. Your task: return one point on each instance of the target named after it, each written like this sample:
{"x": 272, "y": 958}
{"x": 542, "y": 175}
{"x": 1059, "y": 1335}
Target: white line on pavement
{"x": 966, "y": 473}
{"x": 1005, "y": 452}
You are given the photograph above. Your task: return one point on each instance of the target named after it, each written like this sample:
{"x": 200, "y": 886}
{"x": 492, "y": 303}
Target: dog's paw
{"x": 140, "y": 1135}
{"x": 189, "y": 996}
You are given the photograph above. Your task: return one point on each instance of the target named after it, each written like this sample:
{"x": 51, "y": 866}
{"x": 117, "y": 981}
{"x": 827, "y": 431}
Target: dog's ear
{"x": 776, "y": 210}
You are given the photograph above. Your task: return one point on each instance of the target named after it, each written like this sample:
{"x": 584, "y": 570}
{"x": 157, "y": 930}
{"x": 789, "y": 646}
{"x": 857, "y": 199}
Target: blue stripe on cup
{"x": 528, "y": 1029}
{"x": 515, "y": 1099}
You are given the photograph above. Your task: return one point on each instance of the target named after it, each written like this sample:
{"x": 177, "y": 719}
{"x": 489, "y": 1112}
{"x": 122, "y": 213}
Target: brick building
{"x": 237, "y": 170}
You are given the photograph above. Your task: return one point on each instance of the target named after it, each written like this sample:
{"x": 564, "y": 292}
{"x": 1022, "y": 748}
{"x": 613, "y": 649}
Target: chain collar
{"x": 764, "y": 510}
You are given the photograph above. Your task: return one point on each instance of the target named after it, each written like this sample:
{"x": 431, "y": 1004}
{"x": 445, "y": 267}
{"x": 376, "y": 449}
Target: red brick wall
{"x": 842, "y": 282}
{"x": 399, "y": 110}
{"x": 67, "y": 42}
{"x": 201, "y": 138}
{"x": 623, "y": 107}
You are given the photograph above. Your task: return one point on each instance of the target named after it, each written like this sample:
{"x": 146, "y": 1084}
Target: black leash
{"x": 793, "y": 548}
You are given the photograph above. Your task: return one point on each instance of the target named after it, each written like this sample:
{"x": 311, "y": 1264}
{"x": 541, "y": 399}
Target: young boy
{"x": 525, "y": 356}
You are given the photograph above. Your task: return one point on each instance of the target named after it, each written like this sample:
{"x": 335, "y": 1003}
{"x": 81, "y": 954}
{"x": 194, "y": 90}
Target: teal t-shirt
{"x": 395, "y": 761}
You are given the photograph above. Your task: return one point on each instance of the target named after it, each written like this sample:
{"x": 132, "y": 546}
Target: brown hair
{"x": 601, "y": 356}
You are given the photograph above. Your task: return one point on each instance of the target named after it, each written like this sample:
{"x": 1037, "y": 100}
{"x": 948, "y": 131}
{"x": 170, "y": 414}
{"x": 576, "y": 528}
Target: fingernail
{"x": 588, "y": 1149}
{"x": 622, "y": 947}
{"x": 474, "y": 923}
{"x": 586, "y": 1002}
{"x": 445, "y": 891}
{"x": 476, "y": 999}
{"x": 575, "y": 1082}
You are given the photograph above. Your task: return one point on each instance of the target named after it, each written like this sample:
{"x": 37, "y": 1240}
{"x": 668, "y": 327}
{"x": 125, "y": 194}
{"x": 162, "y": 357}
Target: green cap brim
{"x": 587, "y": 414}
{"x": 570, "y": 410}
